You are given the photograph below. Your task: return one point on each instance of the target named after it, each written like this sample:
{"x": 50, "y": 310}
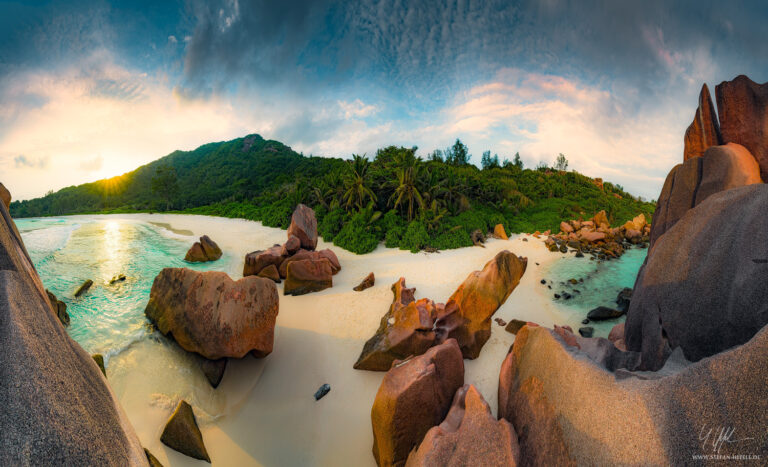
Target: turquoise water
{"x": 68, "y": 251}
{"x": 602, "y": 282}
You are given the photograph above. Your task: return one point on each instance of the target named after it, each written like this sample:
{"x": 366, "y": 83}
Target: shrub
{"x": 331, "y": 224}
{"x": 415, "y": 237}
{"x": 357, "y": 236}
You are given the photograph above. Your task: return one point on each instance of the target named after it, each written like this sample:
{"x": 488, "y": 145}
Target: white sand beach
{"x": 264, "y": 412}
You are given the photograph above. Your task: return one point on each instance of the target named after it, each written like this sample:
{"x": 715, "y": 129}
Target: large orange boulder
{"x": 256, "y": 261}
{"x": 499, "y": 232}
{"x": 210, "y": 314}
{"x": 704, "y": 131}
{"x": 689, "y": 184}
{"x": 304, "y": 226}
{"x": 742, "y": 106}
{"x": 405, "y": 330}
{"x": 308, "y": 275}
{"x": 310, "y": 255}
{"x": 414, "y": 396}
{"x": 203, "y": 251}
{"x": 469, "y": 435}
{"x": 468, "y": 312}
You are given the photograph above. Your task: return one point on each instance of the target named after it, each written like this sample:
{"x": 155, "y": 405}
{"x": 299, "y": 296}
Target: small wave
{"x": 46, "y": 240}
{"x": 128, "y": 342}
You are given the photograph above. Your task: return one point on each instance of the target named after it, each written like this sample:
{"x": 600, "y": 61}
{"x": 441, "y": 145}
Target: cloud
{"x": 92, "y": 164}
{"x": 21, "y": 161}
{"x": 357, "y": 108}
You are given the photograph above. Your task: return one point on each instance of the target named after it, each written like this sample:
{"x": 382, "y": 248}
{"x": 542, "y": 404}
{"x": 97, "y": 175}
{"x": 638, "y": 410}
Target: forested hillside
{"x": 395, "y": 197}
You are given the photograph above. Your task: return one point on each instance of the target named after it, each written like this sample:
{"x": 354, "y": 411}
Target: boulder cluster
{"x": 203, "y": 251}
{"x": 304, "y": 269}
{"x": 411, "y": 326}
{"x": 597, "y": 238}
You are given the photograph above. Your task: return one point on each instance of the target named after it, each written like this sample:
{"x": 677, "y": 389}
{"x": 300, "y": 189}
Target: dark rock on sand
{"x": 213, "y": 370}
{"x": 203, "y": 251}
{"x": 99, "y": 359}
{"x": 84, "y": 288}
{"x": 322, "y": 391}
{"x": 256, "y": 261}
{"x": 366, "y": 283}
{"x": 291, "y": 246}
{"x": 182, "y": 434}
{"x": 311, "y": 255}
{"x": 514, "y": 326}
{"x": 153, "y": 462}
{"x": 212, "y": 315}
{"x": 500, "y": 322}
{"x": 469, "y": 435}
{"x": 603, "y": 313}
{"x": 57, "y": 408}
{"x": 307, "y": 276}
{"x": 270, "y": 272}
{"x": 59, "y": 308}
{"x": 477, "y": 237}
{"x": 304, "y": 227}
{"x": 586, "y": 331}
{"x": 700, "y": 288}
{"x": 414, "y": 396}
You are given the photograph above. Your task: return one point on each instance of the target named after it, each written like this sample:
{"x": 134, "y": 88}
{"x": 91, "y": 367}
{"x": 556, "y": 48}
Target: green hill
{"x": 397, "y": 198}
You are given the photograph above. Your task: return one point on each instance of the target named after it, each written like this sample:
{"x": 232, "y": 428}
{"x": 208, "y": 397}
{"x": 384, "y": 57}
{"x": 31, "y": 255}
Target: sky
{"x": 90, "y": 90}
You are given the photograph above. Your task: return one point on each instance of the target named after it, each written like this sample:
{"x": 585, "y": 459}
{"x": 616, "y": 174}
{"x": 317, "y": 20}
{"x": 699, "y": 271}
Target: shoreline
{"x": 263, "y": 412}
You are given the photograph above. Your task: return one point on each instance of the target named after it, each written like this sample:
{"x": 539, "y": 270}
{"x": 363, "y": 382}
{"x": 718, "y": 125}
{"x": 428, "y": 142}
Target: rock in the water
{"x": 203, "y": 251}
{"x": 469, "y": 435}
{"x": 307, "y": 276}
{"x": 153, "y": 462}
{"x": 703, "y": 285}
{"x": 304, "y": 227}
{"x": 499, "y": 232}
{"x": 213, "y": 370}
{"x": 57, "y": 408}
{"x": 515, "y": 325}
{"x": 99, "y": 359}
{"x": 602, "y": 313}
{"x": 59, "y": 308}
{"x": 468, "y": 312}
{"x": 84, "y": 288}
{"x": 586, "y": 331}
{"x": 322, "y": 391}
{"x": 366, "y": 283}
{"x": 182, "y": 434}
{"x": 624, "y": 299}
{"x": 212, "y": 315}
{"x": 258, "y": 260}
{"x": 5, "y": 196}
{"x": 704, "y": 131}
{"x": 117, "y": 278}
{"x": 414, "y": 396}
{"x": 742, "y": 106}
{"x": 688, "y": 185}
{"x": 568, "y": 410}
{"x": 270, "y": 272}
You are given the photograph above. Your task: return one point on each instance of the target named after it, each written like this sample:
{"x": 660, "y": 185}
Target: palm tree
{"x": 452, "y": 190}
{"x": 406, "y": 192}
{"x": 356, "y": 183}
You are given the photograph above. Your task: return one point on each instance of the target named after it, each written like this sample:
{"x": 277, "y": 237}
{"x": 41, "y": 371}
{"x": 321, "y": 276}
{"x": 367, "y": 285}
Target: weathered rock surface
{"x": 304, "y": 226}
{"x": 500, "y": 232}
{"x": 626, "y": 418}
{"x": 688, "y": 185}
{"x": 291, "y": 246}
{"x": 603, "y": 312}
{"x": 5, "y": 196}
{"x": 704, "y": 131}
{"x": 366, "y": 283}
{"x": 469, "y": 435}
{"x": 703, "y": 285}
{"x": 405, "y": 330}
{"x": 308, "y": 275}
{"x": 203, "y": 251}
{"x": 213, "y": 370}
{"x": 302, "y": 255}
{"x": 59, "y": 308}
{"x": 258, "y": 260}
{"x": 57, "y": 408}
{"x": 514, "y": 325}
{"x": 182, "y": 434}
{"x": 414, "y": 396}
{"x": 212, "y": 315}
{"x": 742, "y": 106}
{"x": 468, "y": 312}
{"x": 270, "y": 272}
{"x": 84, "y": 288}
